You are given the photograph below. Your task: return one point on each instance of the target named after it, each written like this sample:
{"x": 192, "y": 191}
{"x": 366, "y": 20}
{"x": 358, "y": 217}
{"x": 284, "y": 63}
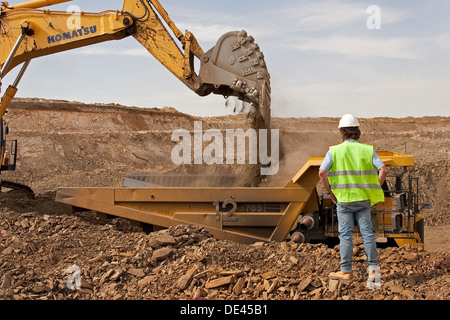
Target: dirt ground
{"x": 70, "y": 144}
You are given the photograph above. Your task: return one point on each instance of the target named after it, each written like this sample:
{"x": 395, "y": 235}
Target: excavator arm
{"x": 234, "y": 67}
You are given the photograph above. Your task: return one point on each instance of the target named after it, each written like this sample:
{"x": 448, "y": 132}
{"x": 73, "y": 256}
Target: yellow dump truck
{"x": 296, "y": 211}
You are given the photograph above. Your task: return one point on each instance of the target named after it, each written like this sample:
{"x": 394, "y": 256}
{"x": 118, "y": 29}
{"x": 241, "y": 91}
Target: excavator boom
{"x": 234, "y": 67}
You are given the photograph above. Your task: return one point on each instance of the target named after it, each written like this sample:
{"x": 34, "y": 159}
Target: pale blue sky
{"x": 322, "y": 57}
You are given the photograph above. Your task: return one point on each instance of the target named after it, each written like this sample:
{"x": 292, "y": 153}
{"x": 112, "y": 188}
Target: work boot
{"x": 345, "y": 277}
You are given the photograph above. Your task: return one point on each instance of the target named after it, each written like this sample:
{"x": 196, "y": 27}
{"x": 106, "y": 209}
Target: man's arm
{"x": 323, "y": 176}
{"x": 381, "y": 167}
{"x": 382, "y": 173}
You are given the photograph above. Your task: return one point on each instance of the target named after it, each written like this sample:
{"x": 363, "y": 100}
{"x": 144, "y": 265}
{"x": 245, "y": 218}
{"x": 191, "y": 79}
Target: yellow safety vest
{"x": 352, "y": 176}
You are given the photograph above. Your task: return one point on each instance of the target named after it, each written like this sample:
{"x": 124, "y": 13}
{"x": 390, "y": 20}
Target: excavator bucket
{"x": 235, "y": 66}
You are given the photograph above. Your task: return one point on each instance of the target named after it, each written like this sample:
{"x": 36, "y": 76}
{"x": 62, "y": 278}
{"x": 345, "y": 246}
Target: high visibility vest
{"x": 352, "y": 176}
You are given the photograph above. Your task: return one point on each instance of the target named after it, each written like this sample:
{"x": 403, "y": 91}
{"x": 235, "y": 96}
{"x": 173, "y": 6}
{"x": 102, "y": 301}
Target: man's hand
{"x": 333, "y": 198}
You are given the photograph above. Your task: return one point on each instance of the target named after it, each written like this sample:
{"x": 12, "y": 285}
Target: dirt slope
{"x": 70, "y": 144}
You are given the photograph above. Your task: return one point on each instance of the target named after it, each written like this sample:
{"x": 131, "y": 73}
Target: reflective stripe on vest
{"x": 352, "y": 176}
{"x": 353, "y": 173}
{"x": 356, "y": 185}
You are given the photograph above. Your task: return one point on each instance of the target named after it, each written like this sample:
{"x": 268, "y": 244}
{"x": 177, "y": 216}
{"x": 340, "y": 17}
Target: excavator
{"x": 8, "y": 160}
{"x": 235, "y": 66}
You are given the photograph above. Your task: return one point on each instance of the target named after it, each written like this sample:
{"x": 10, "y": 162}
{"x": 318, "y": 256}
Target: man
{"x": 352, "y": 174}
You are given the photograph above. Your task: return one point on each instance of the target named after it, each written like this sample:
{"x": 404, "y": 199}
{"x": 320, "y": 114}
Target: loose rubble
{"x": 41, "y": 252}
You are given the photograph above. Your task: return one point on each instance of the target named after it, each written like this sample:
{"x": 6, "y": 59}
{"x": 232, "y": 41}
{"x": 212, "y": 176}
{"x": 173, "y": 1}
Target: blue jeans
{"x": 347, "y": 213}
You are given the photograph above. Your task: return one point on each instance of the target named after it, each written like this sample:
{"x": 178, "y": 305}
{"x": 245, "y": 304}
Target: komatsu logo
{"x": 83, "y": 31}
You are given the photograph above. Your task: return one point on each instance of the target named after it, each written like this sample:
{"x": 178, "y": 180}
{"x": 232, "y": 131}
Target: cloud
{"x": 133, "y": 52}
{"x": 315, "y": 16}
{"x": 395, "y": 97}
{"x": 205, "y": 32}
{"x": 442, "y": 40}
{"x": 330, "y": 26}
{"x": 327, "y": 15}
{"x": 360, "y": 47}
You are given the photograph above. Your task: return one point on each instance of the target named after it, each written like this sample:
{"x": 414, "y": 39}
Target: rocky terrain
{"x": 47, "y": 253}
{"x": 115, "y": 260}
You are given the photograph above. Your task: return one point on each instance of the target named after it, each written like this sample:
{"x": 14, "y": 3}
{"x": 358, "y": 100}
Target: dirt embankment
{"x": 71, "y": 144}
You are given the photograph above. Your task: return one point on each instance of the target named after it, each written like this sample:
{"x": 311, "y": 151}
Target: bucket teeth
{"x": 237, "y": 63}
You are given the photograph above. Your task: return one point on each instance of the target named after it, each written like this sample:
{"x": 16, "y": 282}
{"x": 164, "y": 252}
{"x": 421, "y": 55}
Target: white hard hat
{"x": 348, "y": 120}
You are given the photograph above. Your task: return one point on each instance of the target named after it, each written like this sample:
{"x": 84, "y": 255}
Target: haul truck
{"x": 297, "y": 211}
